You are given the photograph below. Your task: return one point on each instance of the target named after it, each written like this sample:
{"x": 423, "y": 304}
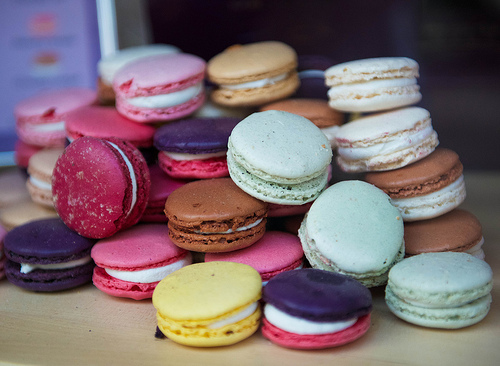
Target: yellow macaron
{"x": 209, "y": 304}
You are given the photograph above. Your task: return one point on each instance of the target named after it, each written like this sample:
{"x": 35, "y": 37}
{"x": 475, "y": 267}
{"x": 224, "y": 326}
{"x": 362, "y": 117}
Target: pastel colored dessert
{"x": 274, "y": 253}
{"x": 160, "y": 88}
{"x": 230, "y": 294}
{"x": 353, "y": 229}
{"x": 373, "y": 84}
{"x": 425, "y": 189}
{"x": 108, "y": 66}
{"x": 214, "y": 215}
{"x": 23, "y": 212}
{"x": 315, "y": 309}
{"x": 12, "y": 187}
{"x": 194, "y": 148}
{"x": 40, "y": 119}
{"x": 132, "y": 262}
{"x": 445, "y": 290}
{"x": 40, "y": 168}
{"x": 3, "y": 232}
{"x": 385, "y": 141}
{"x": 253, "y": 74}
{"x": 104, "y": 122}
{"x": 279, "y": 157}
{"x": 100, "y": 186}
{"x": 315, "y": 110}
{"x": 45, "y": 255}
{"x": 162, "y": 185}
{"x": 23, "y": 152}
{"x": 455, "y": 231}
{"x": 311, "y": 69}
{"x": 209, "y": 109}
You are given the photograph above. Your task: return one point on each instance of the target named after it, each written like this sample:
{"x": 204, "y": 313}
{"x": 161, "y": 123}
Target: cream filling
{"x": 255, "y": 84}
{"x": 132, "y": 176}
{"x": 40, "y": 184}
{"x": 167, "y": 100}
{"x": 185, "y": 156}
{"x": 245, "y": 313}
{"x": 385, "y": 148}
{"x": 296, "y": 325}
{"x": 477, "y": 250}
{"x": 299, "y": 267}
{"x": 47, "y": 127}
{"x": 369, "y": 86}
{"x": 243, "y": 228}
{"x": 149, "y": 275}
{"x": 28, "y": 267}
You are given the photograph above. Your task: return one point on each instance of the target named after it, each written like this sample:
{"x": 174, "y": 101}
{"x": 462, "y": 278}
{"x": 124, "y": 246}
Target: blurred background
{"x": 456, "y": 43}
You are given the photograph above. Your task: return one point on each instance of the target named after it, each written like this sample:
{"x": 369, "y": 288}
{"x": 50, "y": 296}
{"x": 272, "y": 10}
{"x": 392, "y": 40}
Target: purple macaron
{"x": 312, "y": 309}
{"x": 45, "y": 255}
{"x": 195, "y": 148}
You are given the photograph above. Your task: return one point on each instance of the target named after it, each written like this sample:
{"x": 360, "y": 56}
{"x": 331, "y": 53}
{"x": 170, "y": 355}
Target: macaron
{"x": 385, "y": 141}
{"x": 279, "y": 157}
{"x": 455, "y": 231}
{"x": 311, "y": 69}
{"x": 373, "y": 84}
{"x": 194, "y": 148}
{"x": 253, "y": 74}
{"x": 104, "y": 122}
{"x": 45, "y": 255}
{"x": 445, "y": 290}
{"x": 315, "y": 309}
{"x": 23, "y": 152}
{"x": 425, "y": 189}
{"x": 25, "y": 211}
{"x": 40, "y": 168}
{"x": 40, "y": 118}
{"x": 12, "y": 187}
{"x": 160, "y": 88}
{"x": 133, "y": 261}
{"x": 108, "y": 66}
{"x": 162, "y": 185}
{"x": 214, "y": 215}
{"x": 209, "y": 304}
{"x": 315, "y": 110}
{"x": 274, "y": 253}
{"x": 100, "y": 186}
{"x": 353, "y": 229}
{"x": 3, "y": 232}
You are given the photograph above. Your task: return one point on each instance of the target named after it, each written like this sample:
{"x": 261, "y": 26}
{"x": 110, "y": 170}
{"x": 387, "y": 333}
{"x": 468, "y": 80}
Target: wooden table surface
{"x": 84, "y": 326}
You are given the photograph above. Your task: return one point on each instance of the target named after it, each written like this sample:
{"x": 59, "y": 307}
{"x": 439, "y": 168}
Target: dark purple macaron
{"x": 195, "y": 148}
{"x": 318, "y": 295}
{"x": 45, "y": 255}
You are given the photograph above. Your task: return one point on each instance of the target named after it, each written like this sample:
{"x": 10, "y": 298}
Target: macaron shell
{"x": 3, "y": 232}
{"x": 40, "y": 167}
{"x": 94, "y": 195}
{"x": 116, "y": 287}
{"x": 194, "y": 169}
{"x": 23, "y": 212}
{"x": 322, "y": 341}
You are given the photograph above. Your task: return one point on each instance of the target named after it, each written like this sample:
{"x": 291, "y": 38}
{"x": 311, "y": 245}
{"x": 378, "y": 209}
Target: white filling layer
{"x": 296, "y": 325}
{"x": 477, "y": 250}
{"x": 185, "y": 156}
{"x": 414, "y": 139}
{"x": 149, "y": 275}
{"x": 243, "y": 228}
{"x": 132, "y": 176}
{"x": 255, "y": 84}
{"x": 47, "y": 127}
{"x": 245, "y": 313}
{"x": 167, "y": 100}
{"x": 40, "y": 184}
{"x": 28, "y": 267}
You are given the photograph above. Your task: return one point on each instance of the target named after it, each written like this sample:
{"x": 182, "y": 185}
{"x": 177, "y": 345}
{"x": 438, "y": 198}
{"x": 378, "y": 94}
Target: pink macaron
{"x": 40, "y": 119}
{"x": 100, "y": 186}
{"x": 23, "y": 152}
{"x": 104, "y": 122}
{"x": 132, "y": 262}
{"x": 274, "y": 253}
{"x": 160, "y": 88}
{"x": 161, "y": 186}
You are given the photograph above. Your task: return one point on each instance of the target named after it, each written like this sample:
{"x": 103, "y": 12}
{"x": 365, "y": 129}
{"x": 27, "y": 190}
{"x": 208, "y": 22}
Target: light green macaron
{"x": 352, "y": 228}
{"x": 279, "y": 157}
{"x": 446, "y": 290}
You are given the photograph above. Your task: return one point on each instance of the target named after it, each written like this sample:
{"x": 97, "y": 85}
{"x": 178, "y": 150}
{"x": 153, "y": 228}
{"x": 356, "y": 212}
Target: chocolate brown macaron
{"x": 455, "y": 231}
{"x": 214, "y": 215}
{"x": 425, "y": 189}
{"x": 316, "y": 110}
